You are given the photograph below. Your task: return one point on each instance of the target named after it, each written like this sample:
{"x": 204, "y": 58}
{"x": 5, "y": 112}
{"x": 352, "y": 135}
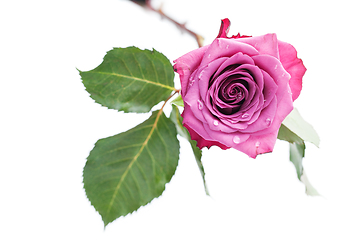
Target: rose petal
{"x": 201, "y": 142}
{"x": 270, "y": 88}
{"x": 190, "y": 120}
{"x": 222, "y": 47}
{"x": 217, "y": 124}
{"x": 236, "y": 59}
{"x": 294, "y": 66}
{"x": 187, "y": 64}
{"x": 274, "y": 68}
{"x": 224, "y": 29}
{"x": 229, "y": 139}
{"x": 265, "y": 44}
{"x": 284, "y": 107}
{"x": 197, "y": 131}
{"x": 264, "y": 119}
{"x": 216, "y": 103}
{"x": 259, "y": 144}
{"x": 206, "y": 73}
{"x": 193, "y": 101}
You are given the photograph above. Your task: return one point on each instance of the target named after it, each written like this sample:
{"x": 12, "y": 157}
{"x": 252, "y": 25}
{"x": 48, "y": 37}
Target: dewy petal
{"x": 227, "y": 138}
{"x": 213, "y": 92}
{"x": 256, "y": 74}
{"x": 294, "y": 66}
{"x": 265, "y": 44}
{"x": 270, "y": 88}
{"x": 187, "y": 64}
{"x": 284, "y": 107}
{"x": 236, "y": 59}
{"x": 253, "y": 94}
{"x": 216, "y": 124}
{"x": 201, "y": 142}
{"x": 204, "y": 74}
{"x": 194, "y": 102}
{"x": 265, "y": 118}
{"x": 222, "y": 47}
{"x": 197, "y": 131}
{"x": 259, "y": 144}
{"x": 274, "y": 68}
{"x": 190, "y": 120}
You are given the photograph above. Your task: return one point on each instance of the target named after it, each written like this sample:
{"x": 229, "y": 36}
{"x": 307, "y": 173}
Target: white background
{"x": 49, "y": 123}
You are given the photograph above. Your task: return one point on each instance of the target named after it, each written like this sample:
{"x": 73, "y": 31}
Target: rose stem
{"x": 199, "y": 38}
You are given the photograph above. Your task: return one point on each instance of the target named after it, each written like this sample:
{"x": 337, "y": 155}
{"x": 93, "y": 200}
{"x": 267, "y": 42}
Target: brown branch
{"x": 199, "y": 38}
{"x": 173, "y": 94}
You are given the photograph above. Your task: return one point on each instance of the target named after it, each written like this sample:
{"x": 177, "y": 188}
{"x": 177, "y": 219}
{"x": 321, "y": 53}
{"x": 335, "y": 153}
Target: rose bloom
{"x": 238, "y": 90}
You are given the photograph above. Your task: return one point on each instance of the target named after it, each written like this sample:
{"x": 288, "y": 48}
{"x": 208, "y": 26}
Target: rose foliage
{"x": 237, "y": 92}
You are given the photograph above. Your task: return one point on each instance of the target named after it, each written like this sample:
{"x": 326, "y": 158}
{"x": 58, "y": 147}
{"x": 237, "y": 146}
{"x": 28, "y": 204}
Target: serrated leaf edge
{"x": 133, "y": 161}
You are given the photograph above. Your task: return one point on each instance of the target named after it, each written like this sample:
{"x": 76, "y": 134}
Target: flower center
{"x": 232, "y": 93}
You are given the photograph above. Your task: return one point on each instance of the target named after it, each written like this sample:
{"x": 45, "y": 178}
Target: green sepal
{"x": 178, "y": 101}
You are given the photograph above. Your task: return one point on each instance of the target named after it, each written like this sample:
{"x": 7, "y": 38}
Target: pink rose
{"x": 238, "y": 90}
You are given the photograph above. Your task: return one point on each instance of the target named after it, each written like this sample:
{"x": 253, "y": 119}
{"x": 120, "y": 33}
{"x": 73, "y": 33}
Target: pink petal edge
{"x": 294, "y": 66}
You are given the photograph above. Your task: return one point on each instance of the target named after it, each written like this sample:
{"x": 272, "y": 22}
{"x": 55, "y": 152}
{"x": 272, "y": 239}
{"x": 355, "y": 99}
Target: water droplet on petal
{"x": 200, "y": 104}
{"x": 257, "y": 144}
{"x": 275, "y": 66}
{"x": 239, "y": 95}
{"x": 283, "y": 74}
{"x": 268, "y": 121}
{"x": 209, "y": 55}
{"x": 227, "y": 46}
{"x": 236, "y": 139}
{"x": 216, "y": 122}
{"x": 201, "y": 73}
{"x": 191, "y": 81}
{"x": 245, "y": 115}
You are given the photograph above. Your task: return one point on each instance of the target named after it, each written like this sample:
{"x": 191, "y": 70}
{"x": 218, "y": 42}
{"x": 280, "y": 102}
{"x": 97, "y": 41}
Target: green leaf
{"x": 128, "y": 170}
{"x": 178, "y": 101}
{"x": 295, "y": 130}
{"x": 198, "y": 154}
{"x": 297, "y": 125}
{"x": 130, "y": 80}
{"x": 177, "y": 119}
{"x": 297, "y": 153}
{"x": 310, "y": 190}
{"x": 287, "y": 135}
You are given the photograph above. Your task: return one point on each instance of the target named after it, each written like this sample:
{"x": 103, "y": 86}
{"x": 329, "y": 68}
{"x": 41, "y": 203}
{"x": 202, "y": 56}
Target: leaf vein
{"x": 133, "y": 161}
{"x": 138, "y": 79}
{"x": 136, "y": 60}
